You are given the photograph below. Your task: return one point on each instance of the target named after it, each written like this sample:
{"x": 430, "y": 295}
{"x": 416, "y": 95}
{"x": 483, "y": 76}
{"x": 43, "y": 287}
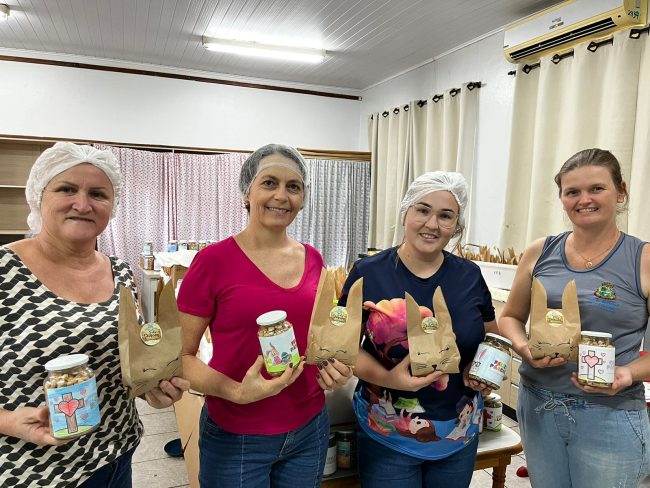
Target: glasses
{"x": 445, "y": 218}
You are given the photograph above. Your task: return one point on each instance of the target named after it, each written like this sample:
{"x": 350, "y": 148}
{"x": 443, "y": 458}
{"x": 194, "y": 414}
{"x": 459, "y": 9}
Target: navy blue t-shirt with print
{"x": 433, "y": 422}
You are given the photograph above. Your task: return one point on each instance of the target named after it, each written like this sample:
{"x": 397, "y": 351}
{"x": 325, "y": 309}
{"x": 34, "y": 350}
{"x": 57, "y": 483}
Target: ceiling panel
{"x": 368, "y": 40}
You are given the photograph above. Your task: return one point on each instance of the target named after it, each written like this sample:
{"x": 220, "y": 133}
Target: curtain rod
{"x": 592, "y": 47}
{"x": 317, "y": 153}
{"x": 436, "y": 98}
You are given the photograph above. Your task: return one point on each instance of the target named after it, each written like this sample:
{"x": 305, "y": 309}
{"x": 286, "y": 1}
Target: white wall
{"x": 482, "y": 61}
{"x": 62, "y": 102}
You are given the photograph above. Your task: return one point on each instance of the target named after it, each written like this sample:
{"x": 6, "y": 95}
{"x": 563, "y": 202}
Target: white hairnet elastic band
{"x": 437, "y": 181}
{"x": 57, "y": 159}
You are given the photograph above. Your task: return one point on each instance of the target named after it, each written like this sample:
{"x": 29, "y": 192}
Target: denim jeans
{"x": 292, "y": 460}
{"x": 113, "y": 475}
{"x": 573, "y": 443}
{"x": 383, "y": 467}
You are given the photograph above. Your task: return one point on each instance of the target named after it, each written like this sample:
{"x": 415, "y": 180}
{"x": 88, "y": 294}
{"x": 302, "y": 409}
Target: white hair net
{"x": 251, "y": 167}
{"x": 57, "y": 159}
{"x": 437, "y": 181}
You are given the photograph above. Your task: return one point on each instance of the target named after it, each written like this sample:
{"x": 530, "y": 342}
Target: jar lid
{"x": 346, "y": 432}
{"x": 605, "y": 335}
{"x": 499, "y": 338}
{"x": 272, "y": 317}
{"x": 494, "y": 397}
{"x": 66, "y": 362}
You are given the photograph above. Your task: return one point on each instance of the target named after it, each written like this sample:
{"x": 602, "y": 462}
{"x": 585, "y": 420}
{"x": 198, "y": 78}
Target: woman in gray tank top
{"x": 574, "y": 435}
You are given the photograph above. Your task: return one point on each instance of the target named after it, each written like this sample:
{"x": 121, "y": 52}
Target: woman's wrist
{"x": 5, "y": 422}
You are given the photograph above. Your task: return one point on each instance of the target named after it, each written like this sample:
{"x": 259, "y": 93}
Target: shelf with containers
{"x": 16, "y": 160}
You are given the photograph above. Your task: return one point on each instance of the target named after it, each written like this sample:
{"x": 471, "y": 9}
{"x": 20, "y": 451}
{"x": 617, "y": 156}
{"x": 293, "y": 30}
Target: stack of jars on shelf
{"x": 147, "y": 257}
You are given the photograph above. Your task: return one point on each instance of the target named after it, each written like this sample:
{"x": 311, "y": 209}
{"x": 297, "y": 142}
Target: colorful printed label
{"x": 74, "y": 409}
{"x": 493, "y": 417}
{"x": 279, "y": 350}
{"x": 596, "y": 364}
{"x": 490, "y": 364}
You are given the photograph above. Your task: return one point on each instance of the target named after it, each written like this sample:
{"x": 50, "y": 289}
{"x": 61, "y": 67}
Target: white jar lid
{"x": 272, "y": 317}
{"x": 605, "y": 335}
{"x": 66, "y": 362}
{"x": 494, "y": 396}
{"x": 500, "y": 338}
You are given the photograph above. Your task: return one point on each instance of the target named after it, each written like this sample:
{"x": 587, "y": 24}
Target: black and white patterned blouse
{"x": 36, "y": 326}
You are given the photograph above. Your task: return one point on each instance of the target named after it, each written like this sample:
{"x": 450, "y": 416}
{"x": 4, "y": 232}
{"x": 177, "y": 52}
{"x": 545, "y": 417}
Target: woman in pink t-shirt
{"x": 257, "y": 430}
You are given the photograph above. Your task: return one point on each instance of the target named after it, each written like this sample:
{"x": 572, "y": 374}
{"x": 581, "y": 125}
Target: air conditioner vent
{"x": 571, "y": 22}
{"x": 565, "y": 38}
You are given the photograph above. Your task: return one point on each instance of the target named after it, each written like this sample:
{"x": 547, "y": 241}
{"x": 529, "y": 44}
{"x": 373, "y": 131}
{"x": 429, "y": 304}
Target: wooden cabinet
{"x": 16, "y": 160}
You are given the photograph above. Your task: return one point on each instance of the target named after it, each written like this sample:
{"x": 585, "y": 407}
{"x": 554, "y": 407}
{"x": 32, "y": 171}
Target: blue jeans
{"x": 292, "y": 460}
{"x": 383, "y": 467}
{"x": 573, "y": 443}
{"x": 113, "y": 475}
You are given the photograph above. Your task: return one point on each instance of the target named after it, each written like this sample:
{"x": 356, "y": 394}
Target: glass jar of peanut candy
{"x": 596, "y": 359}
{"x": 278, "y": 342}
{"x": 71, "y": 395}
{"x": 491, "y": 361}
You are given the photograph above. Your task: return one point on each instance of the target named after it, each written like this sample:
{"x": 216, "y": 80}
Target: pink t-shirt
{"x": 224, "y": 284}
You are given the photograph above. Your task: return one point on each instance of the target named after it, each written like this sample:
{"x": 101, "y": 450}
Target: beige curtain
{"x": 413, "y": 139}
{"x": 593, "y": 99}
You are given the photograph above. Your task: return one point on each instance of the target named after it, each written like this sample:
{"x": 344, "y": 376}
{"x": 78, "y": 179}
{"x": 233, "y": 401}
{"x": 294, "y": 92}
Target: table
{"x": 495, "y": 450}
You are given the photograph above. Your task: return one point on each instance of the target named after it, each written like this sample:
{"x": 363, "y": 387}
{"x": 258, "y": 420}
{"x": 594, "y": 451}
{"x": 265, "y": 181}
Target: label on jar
{"x": 493, "y": 417}
{"x": 74, "y": 409}
{"x": 490, "y": 364}
{"x": 596, "y": 364}
{"x": 344, "y": 454}
{"x": 279, "y": 350}
{"x": 330, "y": 461}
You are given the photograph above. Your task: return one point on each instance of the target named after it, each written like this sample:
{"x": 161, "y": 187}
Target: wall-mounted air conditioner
{"x": 568, "y": 23}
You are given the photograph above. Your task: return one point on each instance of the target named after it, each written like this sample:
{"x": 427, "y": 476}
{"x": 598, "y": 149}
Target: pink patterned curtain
{"x": 169, "y": 196}
{"x": 208, "y": 204}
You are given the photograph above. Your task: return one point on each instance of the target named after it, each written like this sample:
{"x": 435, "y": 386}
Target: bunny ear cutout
{"x": 413, "y": 317}
{"x": 440, "y": 309}
{"x": 570, "y": 306}
{"x": 353, "y": 304}
{"x": 167, "y": 308}
{"x": 324, "y": 295}
{"x": 128, "y": 314}
{"x": 538, "y": 300}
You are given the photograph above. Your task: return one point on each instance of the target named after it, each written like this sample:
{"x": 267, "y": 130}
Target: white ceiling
{"x": 369, "y": 40}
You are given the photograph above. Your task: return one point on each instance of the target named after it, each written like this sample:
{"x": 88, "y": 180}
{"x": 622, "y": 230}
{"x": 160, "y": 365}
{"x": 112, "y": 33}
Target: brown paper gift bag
{"x": 554, "y": 333}
{"x": 152, "y": 352}
{"x": 335, "y": 332}
{"x": 432, "y": 342}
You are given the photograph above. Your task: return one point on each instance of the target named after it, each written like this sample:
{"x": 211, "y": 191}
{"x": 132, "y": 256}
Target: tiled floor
{"x": 152, "y": 468}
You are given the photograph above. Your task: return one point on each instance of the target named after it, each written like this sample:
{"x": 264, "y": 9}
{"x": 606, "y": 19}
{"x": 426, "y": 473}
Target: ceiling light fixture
{"x": 4, "y": 11}
{"x": 247, "y": 48}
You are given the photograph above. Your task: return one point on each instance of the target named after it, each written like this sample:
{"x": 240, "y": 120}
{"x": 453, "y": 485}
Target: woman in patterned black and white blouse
{"x": 58, "y": 296}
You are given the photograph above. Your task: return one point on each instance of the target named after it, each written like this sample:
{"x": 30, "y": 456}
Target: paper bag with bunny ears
{"x": 554, "y": 333}
{"x": 334, "y": 331}
{"x": 432, "y": 342}
{"x": 151, "y": 352}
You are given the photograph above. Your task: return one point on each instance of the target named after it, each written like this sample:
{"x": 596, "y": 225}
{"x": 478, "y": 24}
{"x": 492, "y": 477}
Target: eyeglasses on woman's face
{"x": 422, "y": 213}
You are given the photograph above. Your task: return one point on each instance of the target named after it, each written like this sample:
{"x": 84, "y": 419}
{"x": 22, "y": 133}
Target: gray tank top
{"x": 610, "y": 300}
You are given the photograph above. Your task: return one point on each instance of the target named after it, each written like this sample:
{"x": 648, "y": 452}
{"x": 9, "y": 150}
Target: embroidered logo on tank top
{"x": 605, "y": 296}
